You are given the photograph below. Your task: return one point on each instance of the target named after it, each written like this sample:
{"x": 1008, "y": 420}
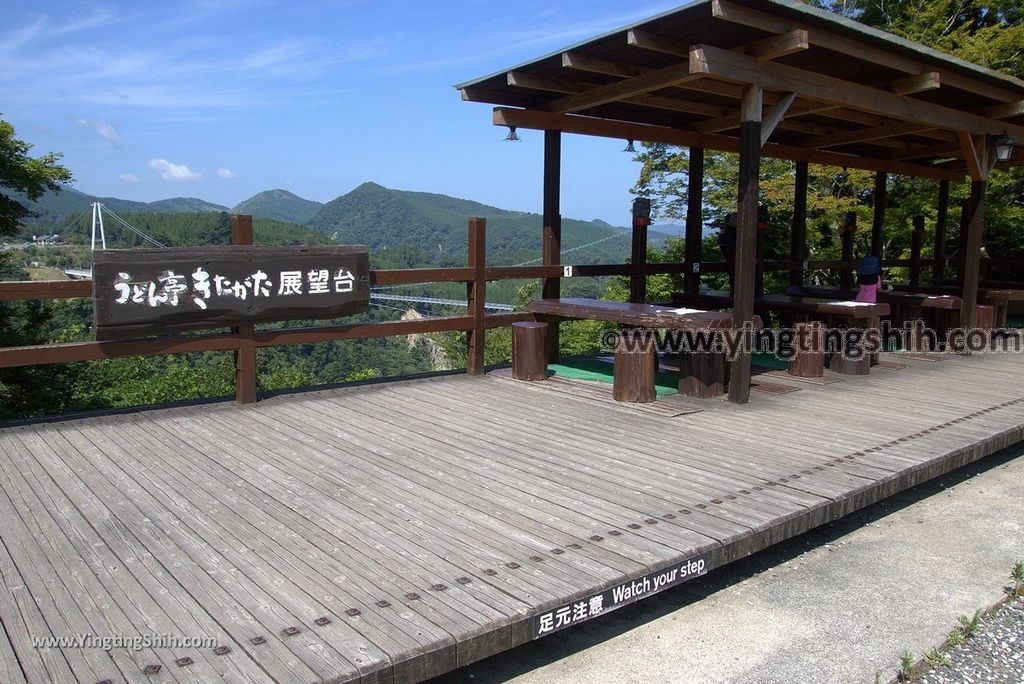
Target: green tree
{"x": 26, "y": 176}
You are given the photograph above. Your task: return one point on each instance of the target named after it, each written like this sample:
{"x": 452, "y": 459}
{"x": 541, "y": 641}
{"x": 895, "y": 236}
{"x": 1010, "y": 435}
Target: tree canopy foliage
{"x": 25, "y": 175}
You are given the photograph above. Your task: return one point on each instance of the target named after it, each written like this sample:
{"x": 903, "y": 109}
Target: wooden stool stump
{"x": 633, "y": 375}
{"x": 702, "y": 375}
{"x": 809, "y": 363}
{"x": 529, "y": 357}
{"x": 844, "y": 366}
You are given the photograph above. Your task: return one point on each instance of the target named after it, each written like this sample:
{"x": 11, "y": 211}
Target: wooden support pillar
{"x": 849, "y": 230}
{"x": 961, "y": 238}
{"x": 551, "y": 288}
{"x": 638, "y": 263}
{"x": 476, "y": 295}
{"x": 798, "y": 235}
{"x": 746, "y": 234}
{"x": 972, "y": 253}
{"x": 942, "y": 215}
{"x": 916, "y": 237}
{"x": 694, "y": 220}
{"x": 878, "y": 219}
{"x": 245, "y": 357}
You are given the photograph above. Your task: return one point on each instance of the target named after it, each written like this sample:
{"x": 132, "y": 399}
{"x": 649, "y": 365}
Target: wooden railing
{"x": 244, "y": 341}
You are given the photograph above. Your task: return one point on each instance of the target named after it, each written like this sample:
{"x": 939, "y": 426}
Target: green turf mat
{"x": 601, "y": 371}
{"x": 769, "y": 361}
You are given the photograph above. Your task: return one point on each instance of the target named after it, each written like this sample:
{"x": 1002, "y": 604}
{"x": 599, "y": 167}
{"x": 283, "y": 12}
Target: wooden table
{"x": 628, "y": 313}
{"x": 997, "y": 298}
{"x": 907, "y": 306}
{"x": 808, "y": 310}
{"x": 701, "y": 374}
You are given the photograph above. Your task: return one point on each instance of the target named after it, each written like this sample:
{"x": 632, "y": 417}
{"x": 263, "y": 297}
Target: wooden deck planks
{"x": 446, "y": 512}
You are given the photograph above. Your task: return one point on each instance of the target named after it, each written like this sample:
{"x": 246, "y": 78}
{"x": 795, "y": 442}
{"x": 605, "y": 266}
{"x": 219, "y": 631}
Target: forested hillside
{"x": 279, "y": 204}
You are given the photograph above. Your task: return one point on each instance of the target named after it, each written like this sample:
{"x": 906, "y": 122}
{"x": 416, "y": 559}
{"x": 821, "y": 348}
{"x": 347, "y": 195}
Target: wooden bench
{"x": 701, "y": 375}
{"x": 809, "y": 312}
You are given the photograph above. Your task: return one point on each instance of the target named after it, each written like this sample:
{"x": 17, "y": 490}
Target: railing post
{"x": 245, "y": 357}
{"x": 915, "y": 250}
{"x": 476, "y": 295}
{"x": 638, "y": 265}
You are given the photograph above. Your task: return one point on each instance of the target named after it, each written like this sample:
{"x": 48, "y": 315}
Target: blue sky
{"x": 221, "y": 99}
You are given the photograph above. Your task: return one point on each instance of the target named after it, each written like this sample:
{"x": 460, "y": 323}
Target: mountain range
{"x": 375, "y": 216}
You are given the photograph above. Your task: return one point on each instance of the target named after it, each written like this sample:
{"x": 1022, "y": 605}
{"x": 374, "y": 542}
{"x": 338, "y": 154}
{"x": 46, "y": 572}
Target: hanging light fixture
{"x": 629, "y": 147}
{"x": 512, "y": 135}
{"x": 1002, "y": 145}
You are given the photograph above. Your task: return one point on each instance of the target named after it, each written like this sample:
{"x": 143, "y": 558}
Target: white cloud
{"x": 129, "y": 178}
{"x": 226, "y": 173}
{"x": 170, "y": 171}
{"x": 104, "y": 130}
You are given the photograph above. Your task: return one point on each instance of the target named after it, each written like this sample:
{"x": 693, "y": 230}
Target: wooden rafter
{"x": 596, "y": 65}
{"x": 781, "y": 45}
{"x": 919, "y": 83}
{"x": 1005, "y": 111}
{"x": 521, "y": 79}
{"x": 724, "y": 64}
{"x": 653, "y": 80}
{"x": 558, "y": 85}
{"x": 863, "y": 135}
{"x": 899, "y": 86}
{"x": 649, "y": 41}
{"x": 583, "y": 125}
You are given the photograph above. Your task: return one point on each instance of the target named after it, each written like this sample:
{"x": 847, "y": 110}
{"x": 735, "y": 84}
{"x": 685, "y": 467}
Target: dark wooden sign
{"x": 156, "y": 291}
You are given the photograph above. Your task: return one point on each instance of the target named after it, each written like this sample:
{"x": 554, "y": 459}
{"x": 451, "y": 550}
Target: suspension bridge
{"x": 377, "y": 294}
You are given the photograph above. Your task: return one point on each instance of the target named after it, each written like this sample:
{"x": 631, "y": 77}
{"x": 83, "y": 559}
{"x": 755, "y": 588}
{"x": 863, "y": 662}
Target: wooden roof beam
{"x": 918, "y": 83}
{"x": 556, "y": 85}
{"x": 649, "y": 41}
{"x": 584, "y": 125}
{"x": 575, "y": 60}
{"x": 763, "y": 21}
{"x": 865, "y": 135}
{"x": 771, "y": 47}
{"x": 719, "y": 63}
{"x": 781, "y": 45}
{"x": 1005, "y": 111}
{"x": 901, "y": 86}
{"x": 521, "y": 79}
{"x": 599, "y": 95}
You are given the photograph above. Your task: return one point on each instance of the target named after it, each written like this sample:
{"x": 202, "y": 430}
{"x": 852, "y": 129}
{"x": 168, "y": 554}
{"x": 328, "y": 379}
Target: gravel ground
{"x": 994, "y": 654}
